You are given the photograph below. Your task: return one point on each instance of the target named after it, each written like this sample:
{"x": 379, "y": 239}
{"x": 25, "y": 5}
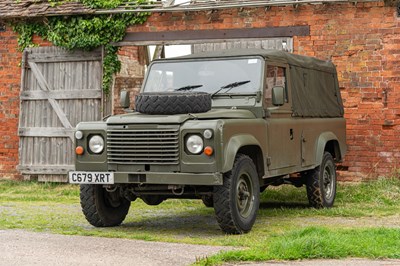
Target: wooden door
{"x": 59, "y": 89}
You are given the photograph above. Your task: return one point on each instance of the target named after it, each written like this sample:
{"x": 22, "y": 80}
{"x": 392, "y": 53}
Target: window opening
{"x": 276, "y": 76}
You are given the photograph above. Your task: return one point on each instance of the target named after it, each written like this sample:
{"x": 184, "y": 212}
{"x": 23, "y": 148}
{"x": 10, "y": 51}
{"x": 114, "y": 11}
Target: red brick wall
{"x": 10, "y": 83}
{"x": 10, "y": 77}
{"x": 131, "y": 75}
{"x": 363, "y": 40}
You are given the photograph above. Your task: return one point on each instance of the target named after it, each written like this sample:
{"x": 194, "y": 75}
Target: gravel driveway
{"x": 19, "y": 247}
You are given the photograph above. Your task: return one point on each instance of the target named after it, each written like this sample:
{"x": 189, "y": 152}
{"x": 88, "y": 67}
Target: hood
{"x": 139, "y": 118}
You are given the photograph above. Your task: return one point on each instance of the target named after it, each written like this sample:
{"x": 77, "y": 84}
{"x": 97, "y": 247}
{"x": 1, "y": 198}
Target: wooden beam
{"x": 47, "y": 132}
{"x": 45, "y": 169}
{"x": 61, "y": 94}
{"x": 45, "y": 87}
{"x": 47, "y": 54}
{"x": 57, "y": 58}
{"x": 165, "y": 37}
{"x": 159, "y": 52}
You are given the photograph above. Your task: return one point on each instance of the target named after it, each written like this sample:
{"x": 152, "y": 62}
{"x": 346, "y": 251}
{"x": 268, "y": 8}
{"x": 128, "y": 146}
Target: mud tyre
{"x": 102, "y": 208}
{"x": 236, "y": 202}
{"x": 172, "y": 103}
{"x": 321, "y": 183}
{"x": 208, "y": 201}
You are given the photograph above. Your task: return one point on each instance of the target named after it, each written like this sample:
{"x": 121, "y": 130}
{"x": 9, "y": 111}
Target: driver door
{"x": 283, "y": 134}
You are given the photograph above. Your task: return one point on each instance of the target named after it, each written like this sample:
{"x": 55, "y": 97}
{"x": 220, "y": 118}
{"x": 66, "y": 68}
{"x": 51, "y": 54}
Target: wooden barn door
{"x": 59, "y": 89}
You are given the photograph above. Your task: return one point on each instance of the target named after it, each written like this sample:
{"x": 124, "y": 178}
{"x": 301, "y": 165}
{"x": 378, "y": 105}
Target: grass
{"x": 365, "y": 221}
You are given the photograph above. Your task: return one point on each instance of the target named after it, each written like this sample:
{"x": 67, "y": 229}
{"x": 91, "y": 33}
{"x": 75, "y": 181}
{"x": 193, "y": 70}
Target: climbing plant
{"x": 85, "y": 32}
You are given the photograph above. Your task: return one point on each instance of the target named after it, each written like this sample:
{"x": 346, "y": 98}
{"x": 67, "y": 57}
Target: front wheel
{"x": 236, "y": 202}
{"x": 208, "y": 201}
{"x": 103, "y": 208}
{"x": 321, "y": 183}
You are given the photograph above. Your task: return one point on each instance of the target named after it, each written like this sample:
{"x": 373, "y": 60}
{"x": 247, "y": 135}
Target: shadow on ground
{"x": 196, "y": 222}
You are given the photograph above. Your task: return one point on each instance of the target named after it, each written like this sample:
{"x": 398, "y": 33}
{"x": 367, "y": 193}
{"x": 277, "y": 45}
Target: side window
{"x": 276, "y": 76}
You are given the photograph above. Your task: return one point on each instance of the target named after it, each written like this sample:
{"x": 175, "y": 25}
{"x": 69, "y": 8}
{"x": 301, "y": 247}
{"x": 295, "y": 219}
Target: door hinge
{"x": 268, "y": 161}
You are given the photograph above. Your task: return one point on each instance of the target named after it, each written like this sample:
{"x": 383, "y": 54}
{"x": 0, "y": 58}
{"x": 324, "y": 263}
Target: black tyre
{"x": 208, "y": 201}
{"x": 321, "y": 183}
{"x": 236, "y": 202}
{"x": 153, "y": 200}
{"x": 102, "y": 208}
{"x": 173, "y": 103}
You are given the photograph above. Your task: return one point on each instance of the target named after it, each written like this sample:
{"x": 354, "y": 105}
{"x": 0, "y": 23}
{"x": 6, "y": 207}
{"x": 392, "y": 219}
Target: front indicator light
{"x": 79, "y": 150}
{"x": 208, "y": 151}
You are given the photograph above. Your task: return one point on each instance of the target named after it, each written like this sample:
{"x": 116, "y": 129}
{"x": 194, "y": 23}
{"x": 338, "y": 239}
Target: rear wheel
{"x": 236, "y": 202}
{"x": 321, "y": 183}
{"x": 101, "y": 207}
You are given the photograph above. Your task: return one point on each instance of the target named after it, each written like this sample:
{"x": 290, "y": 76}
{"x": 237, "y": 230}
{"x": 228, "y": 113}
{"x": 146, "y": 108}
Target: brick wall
{"x": 10, "y": 77}
{"x": 130, "y": 77}
{"x": 10, "y": 83}
{"x": 362, "y": 39}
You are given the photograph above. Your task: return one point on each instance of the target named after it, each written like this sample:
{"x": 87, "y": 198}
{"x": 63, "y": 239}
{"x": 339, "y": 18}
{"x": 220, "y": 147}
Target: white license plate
{"x": 91, "y": 177}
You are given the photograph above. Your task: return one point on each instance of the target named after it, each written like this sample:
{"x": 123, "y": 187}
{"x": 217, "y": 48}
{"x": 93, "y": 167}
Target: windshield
{"x": 233, "y": 76}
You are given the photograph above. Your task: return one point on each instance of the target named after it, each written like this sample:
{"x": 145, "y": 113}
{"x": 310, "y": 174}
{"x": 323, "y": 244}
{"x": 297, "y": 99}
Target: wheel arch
{"x": 328, "y": 142}
{"x": 247, "y": 145}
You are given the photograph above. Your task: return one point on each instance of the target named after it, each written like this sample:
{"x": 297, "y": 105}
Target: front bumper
{"x": 204, "y": 179}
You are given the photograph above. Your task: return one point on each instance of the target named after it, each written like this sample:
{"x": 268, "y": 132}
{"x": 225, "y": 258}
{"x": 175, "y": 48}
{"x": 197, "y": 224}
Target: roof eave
{"x": 45, "y": 9}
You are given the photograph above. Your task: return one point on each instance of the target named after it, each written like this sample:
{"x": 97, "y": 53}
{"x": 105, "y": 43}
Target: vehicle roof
{"x": 270, "y": 55}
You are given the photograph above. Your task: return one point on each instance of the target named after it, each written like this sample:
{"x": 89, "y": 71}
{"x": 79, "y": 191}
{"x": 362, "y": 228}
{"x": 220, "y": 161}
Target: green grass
{"x": 365, "y": 221}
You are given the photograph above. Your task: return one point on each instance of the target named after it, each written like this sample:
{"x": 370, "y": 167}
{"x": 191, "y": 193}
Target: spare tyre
{"x": 169, "y": 103}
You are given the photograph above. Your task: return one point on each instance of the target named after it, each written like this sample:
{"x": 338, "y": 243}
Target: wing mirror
{"x": 125, "y": 99}
{"x": 278, "y": 96}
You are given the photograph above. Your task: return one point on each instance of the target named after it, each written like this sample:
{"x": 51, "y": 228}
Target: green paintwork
{"x": 282, "y": 139}
{"x": 169, "y": 178}
{"x": 139, "y": 118}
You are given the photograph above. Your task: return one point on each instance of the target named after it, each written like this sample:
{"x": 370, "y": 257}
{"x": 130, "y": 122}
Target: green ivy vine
{"x": 85, "y": 32}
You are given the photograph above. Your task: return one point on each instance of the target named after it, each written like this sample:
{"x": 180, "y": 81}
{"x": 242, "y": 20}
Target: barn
{"x": 45, "y": 90}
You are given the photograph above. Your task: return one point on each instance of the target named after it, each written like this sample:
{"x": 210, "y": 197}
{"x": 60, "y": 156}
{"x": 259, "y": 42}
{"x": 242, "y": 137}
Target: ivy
{"x": 113, "y": 66}
{"x": 85, "y": 32}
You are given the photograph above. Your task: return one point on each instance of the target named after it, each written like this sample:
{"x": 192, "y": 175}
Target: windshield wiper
{"x": 231, "y": 86}
{"x": 189, "y": 87}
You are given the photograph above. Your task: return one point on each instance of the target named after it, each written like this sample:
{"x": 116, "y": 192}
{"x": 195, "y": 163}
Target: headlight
{"x": 194, "y": 144}
{"x": 96, "y": 144}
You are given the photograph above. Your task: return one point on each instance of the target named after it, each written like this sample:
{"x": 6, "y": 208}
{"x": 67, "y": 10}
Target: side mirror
{"x": 278, "y": 96}
{"x": 125, "y": 99}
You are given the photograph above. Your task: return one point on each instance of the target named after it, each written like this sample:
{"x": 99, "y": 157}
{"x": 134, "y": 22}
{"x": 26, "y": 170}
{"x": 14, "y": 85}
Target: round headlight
{"x": 96, "y": 144}
{"x": 194, "y": 144}
{"x": 78, "y": 134}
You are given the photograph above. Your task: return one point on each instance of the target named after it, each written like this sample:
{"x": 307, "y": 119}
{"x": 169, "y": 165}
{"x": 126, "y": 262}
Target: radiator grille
{"x": 143, "y": 146}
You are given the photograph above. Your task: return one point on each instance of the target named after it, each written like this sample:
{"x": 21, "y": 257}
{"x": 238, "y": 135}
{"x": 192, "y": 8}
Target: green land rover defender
{"x": 220, "y": 127}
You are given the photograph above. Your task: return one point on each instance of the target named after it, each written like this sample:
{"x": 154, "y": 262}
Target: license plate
{"x": 91, "y": 177}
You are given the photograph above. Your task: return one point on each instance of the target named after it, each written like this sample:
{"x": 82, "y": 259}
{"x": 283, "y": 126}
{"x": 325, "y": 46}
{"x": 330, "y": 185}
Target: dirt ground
{"x": 18, "y": 247}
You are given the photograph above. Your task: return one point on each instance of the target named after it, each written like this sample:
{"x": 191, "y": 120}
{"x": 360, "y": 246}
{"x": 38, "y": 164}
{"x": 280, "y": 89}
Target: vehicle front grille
{"x": 143, "y": 146}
